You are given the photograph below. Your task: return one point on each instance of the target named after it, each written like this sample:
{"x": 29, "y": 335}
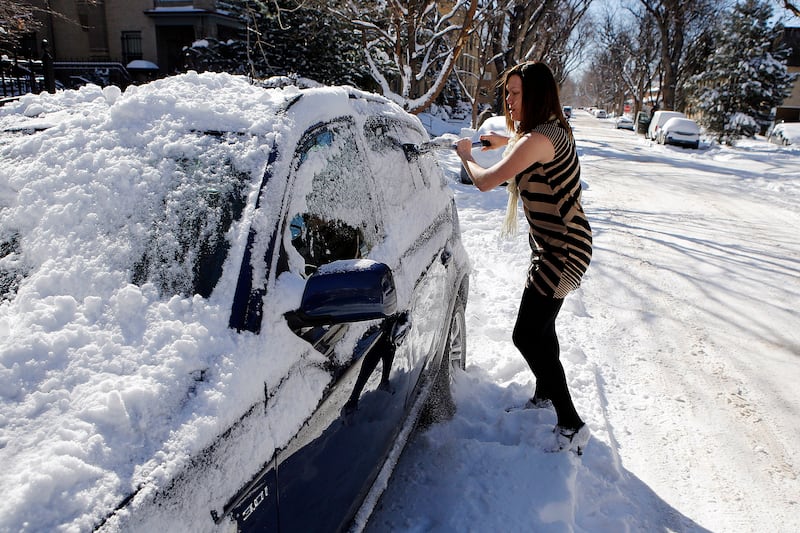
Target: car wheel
{"x": 457, "y": 340}
{"x": 696, "y": 145}
{"x": 464, "y": 176}
{"x": 440, "y": 405}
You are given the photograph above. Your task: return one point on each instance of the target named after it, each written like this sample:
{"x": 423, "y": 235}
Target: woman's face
{"x": 514, "y": 97}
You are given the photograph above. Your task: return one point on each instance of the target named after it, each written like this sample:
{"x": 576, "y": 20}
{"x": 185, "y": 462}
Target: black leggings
{"x": 535, "y": 336}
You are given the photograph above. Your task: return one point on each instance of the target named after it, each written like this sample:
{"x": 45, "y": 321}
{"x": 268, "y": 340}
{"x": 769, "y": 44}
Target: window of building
{"x": 131, "y": 46}
{"x": 27, "y": 46}
{"x": 83, "y": 14}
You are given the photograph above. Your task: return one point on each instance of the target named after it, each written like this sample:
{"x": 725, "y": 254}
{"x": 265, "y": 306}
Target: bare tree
{"x": 19, "y": 17}
{"x": 631, "y": 46}
{"x": 411, "y": 45}
{"x": 552, "y": 31}
{"x": 479, "y": 56}
{"x": 675, "y": 20}
{"x": 554, "y": 39}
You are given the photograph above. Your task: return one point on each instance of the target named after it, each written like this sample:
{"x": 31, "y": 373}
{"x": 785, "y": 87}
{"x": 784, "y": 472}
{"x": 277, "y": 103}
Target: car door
{"x": 335, "y": 214}
{"x": 421, "y": 223}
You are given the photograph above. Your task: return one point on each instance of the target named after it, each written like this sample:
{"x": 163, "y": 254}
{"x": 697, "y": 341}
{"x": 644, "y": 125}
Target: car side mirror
{"x": 349, "y": 290}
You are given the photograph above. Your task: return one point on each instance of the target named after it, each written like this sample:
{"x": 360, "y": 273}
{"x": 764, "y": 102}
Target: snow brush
{"x": 438, "y": 143}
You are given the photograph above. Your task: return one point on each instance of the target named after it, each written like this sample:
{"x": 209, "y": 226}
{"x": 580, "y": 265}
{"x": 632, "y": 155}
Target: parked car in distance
{"x": 642, "y": 122}
{"x": 623, "y": 122}
{"x": 785, "y": 133}
{"x": 658, "y": 120}
{"x": 567, "y": 111}
{"x": 600, "y": 113}
{"x": 485, "y": 158}
{"x": 680, "y": 131}
{"x": 255, "y": 295}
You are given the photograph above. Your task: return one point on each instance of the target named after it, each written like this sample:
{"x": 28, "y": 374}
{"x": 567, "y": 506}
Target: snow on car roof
{"x": 496, "y": 123}
{"x": 792, "y": 129}
{"x": 107, "y": 384}
{"x": 681, "y": 122}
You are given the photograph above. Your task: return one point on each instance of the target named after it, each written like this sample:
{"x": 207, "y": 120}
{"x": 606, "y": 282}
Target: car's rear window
{"x": 186, "y": 243}
{"x": 12, "y": 268}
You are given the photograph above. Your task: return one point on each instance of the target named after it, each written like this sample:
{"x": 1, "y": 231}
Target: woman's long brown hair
{"x": 540, "y": 101}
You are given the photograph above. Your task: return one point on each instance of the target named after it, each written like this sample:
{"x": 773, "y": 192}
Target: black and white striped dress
{"x": 559, "y": 231}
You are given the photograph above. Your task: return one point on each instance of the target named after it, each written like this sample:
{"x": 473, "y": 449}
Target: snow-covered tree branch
{"x": 411, "y": 46}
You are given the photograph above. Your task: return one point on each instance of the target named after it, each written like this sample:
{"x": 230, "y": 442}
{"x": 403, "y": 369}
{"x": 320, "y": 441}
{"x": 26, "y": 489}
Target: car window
{"x": 186, "y": 243}
{"x": 386, "y": 138}
{"x": 337, "y": 217}
{"x": 427, "y": 170}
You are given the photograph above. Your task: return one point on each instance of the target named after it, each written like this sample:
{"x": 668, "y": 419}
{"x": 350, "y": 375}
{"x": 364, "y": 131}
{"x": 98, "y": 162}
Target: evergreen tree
{"x": 286, "y": 37}
{"x": 745, "y": 76}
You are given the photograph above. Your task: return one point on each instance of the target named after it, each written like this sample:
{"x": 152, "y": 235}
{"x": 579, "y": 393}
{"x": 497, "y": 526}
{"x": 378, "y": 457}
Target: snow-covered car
{"x": 785, "y": 133}
{"x": 680, "y": 132}
{"x": 224, "y": 307}
{"x": 623, "y": 122}
{"x": 486, "y": 158}
{"x": 658, "y": 120}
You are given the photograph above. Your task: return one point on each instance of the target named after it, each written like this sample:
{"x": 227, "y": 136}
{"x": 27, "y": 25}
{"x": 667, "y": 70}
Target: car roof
{"x": 682, "y": 122}
{"x": 494, "y": 123}
{"x": 194, "y": 94}
{"x": 789, "y": 127}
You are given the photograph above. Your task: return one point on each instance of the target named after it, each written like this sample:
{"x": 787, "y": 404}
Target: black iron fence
{"x": 20, "y": 76}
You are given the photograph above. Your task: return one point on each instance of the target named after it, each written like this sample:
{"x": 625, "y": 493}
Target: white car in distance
{"x": 680, "y": 132}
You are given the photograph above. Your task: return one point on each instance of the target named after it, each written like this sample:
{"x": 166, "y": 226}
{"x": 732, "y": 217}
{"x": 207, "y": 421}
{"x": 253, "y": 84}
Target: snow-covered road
{"x": 682, "y": 350}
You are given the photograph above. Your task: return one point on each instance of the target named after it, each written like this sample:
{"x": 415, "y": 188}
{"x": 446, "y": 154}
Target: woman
{"x": 541, "y": 165}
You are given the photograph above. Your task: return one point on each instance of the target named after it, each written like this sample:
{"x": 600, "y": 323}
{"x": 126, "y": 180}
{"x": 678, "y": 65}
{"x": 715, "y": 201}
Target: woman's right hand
{"x": 496, "y": 140}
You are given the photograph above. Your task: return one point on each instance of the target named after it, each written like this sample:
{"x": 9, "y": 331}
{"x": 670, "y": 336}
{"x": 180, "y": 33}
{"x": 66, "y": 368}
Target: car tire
{"x": 464, "y": 176}
{"x": 456, "y": 350}
{"x": 440, "y": 405}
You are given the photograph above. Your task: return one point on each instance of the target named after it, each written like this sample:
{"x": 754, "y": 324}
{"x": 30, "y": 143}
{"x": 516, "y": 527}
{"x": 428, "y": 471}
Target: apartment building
{"x": 789, "y": 111}
{"x": 153, "y": 32}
